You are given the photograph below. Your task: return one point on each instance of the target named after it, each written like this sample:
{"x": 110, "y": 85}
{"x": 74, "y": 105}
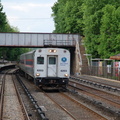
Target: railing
{"x": 106, "y": 72}
{"x": 59, "y": 43}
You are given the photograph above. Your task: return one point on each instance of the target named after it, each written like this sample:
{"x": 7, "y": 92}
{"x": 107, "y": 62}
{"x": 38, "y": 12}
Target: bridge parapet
{"x": 38, "y": 39}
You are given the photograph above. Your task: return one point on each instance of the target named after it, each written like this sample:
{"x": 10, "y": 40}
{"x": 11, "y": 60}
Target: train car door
{"x": 52, "y": 66}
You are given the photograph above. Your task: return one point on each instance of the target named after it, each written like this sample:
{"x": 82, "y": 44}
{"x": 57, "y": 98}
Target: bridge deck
{"x": 38, "y": 39}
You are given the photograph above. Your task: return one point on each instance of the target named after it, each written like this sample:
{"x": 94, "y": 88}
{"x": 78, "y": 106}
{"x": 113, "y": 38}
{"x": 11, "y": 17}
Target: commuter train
{"x": 47, "y": 66}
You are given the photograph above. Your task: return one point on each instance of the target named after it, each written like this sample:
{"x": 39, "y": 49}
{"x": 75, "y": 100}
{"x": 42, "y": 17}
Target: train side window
{"x": 40, "y": 60}
{"x": 22, "y": 61}
{"x": 52, "y": 60}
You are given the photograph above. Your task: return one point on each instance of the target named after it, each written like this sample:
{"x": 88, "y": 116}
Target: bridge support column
{"x": 78, "y": 59}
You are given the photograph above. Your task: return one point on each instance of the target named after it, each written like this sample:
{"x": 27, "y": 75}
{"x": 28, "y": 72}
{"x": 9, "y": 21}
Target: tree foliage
{"x": 3, "y": 20}
{"x": 8, "y": 53}
{"x": 97, "y": 20}
{"x": 110, "y": 31}
{"x": 12, "y": 54}
{"x": 67, "y": 16}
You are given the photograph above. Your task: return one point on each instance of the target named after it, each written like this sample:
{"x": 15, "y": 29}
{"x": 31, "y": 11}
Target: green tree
{"x": 92, "y": 22}
{"x": 97, "y": 20}
{"x": 68, "y": 16}
{"x": 110, "y": 31}
{"x": 8, "y": 53}
{"x": 3, "y": 20}
{"x": 100, "y": 27}
{"x": 9, "y": 28}
{"x": 58, "y": 15}
{"x": 12, "y": 54}
{"x": 4, "y": 24}
{"x": 73, "y": 16}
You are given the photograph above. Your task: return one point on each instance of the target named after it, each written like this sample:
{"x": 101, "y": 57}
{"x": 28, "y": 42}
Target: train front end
{"x": 52, "y": 67}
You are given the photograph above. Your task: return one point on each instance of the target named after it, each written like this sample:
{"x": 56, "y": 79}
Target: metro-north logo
{"x": 64, "y": 59}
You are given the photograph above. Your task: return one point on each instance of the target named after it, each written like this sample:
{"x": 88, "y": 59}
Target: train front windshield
{"x": 52, "y": 60}
{"x": 40, "y": 60}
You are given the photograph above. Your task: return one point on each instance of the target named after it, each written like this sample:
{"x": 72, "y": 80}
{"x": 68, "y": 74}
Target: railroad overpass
{"x": 38, "y": 40}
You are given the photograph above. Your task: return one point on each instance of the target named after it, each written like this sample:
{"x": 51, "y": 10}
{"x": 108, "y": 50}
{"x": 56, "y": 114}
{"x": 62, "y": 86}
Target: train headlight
{"x": 53, "y": 50}
{"x": 50, "y": 50}
{"x": 66, "y": 75}
{"x": 37, "y": 74}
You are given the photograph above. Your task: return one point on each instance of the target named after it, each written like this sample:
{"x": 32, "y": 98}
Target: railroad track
{"x": 10, "y": 100}
{"x": 107, "y": 100}
{"x": 51, "y": 111}
{"x": 2, "y": 85}
{"x": 37, "y": 108}
{"x": 75, "y": 109}
{"x": 61, "y": 106}
{"x": 96, "y": 81}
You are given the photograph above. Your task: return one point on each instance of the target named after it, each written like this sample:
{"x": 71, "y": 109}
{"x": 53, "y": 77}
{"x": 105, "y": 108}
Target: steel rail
{"x": 34, "y": 102}
{"x": 77, "y": 102}
{"x": 25, "y": 114}
{"x": 92, "y": 82}
{"x": 105, "y": 98}
{"x": 2, "y": 96}
{"x": 18, "y": 95}
{"x": 84, "y": 107}
{"x": 60, "y": 106}
{"x": 104, "y": 106}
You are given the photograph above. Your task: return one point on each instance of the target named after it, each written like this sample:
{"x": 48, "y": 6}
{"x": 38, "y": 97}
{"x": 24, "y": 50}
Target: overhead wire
{"x": 27, "y": 18}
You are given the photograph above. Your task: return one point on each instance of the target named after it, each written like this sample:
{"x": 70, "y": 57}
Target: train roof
{"x": 43, "y": 49}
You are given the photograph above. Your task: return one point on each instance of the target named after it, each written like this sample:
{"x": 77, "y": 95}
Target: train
{"x": 48, "y": 67}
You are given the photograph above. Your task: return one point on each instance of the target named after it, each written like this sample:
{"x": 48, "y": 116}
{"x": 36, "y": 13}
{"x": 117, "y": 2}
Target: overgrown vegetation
{"x": 97, "y": 20}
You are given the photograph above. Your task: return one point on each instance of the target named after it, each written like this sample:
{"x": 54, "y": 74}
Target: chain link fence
{"x": 106, "y": 72}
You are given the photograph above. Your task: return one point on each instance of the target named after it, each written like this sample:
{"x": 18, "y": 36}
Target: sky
{"x": 30, "y": 15}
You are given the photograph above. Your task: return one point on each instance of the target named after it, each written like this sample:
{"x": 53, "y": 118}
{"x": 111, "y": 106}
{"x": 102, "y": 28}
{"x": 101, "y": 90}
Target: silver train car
{"x": 47, "y": 66}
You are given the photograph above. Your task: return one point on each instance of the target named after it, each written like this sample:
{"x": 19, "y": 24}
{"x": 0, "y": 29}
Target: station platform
{"x": 7, "y": 65}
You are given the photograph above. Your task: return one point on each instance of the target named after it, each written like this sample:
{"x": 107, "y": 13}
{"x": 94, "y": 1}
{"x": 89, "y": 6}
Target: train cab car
{"x": 48, "y": 66}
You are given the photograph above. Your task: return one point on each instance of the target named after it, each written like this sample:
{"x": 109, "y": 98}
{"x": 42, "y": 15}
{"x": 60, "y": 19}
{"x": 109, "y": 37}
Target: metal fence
{"x": 106, "y": 72}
